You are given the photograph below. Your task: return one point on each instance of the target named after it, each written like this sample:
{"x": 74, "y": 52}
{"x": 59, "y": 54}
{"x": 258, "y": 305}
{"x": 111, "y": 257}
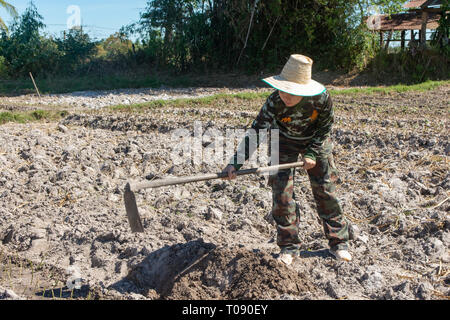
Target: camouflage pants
{"x": 322, "y": 178}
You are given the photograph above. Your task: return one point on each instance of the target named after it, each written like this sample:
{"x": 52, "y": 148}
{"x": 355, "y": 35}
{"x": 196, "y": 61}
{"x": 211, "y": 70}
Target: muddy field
{"x": 64, "y": 233}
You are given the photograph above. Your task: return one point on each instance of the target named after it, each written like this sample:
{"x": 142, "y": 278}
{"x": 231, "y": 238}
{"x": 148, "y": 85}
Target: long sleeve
{"x": 324, "y": 123}
{"x": 264, "y": 121}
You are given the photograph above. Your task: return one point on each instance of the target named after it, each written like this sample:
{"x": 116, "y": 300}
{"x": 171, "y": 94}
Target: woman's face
{"x": 289, "y": 99}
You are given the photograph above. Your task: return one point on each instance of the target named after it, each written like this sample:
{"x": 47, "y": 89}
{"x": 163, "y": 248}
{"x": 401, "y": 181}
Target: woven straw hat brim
{"x": 312, "y": 88}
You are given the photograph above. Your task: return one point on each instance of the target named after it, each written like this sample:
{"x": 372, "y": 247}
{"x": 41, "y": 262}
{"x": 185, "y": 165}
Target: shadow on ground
{"x": 199, "y": 270}
{"x": 323, "y": 253}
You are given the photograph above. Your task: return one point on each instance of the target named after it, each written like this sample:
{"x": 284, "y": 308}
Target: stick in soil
{"x": 35, "y": 86}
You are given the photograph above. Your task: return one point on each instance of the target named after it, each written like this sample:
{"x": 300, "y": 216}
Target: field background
{"x": 105, "y": 113}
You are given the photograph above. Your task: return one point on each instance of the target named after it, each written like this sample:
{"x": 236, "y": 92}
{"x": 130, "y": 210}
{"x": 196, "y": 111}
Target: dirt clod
{"x": 198, "y": 270}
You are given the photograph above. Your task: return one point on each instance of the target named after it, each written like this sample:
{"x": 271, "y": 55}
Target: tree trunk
{"x": 403, "y": 39}
{"x": 388, "y": 39}
{"x": 248, "y": 31}
{"x": 423, "y": 30}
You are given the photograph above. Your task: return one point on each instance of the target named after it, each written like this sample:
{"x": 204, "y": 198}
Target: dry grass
{"x": 38, "y": 280}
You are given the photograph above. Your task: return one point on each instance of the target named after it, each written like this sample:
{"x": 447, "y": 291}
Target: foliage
{"x": 187, "y": 34}
{"x": 26, "y": 50}
{"x": 220, "y": 35}
{"x": 385, "y": 6}
{"x": 76, "y": 48}
{"x": 10, "y": 9}
{"x": 410, "y": 66}
{"x": 3, "y": 68}
{"x": 115, "y": 46}
{"x": 440, "y": 37}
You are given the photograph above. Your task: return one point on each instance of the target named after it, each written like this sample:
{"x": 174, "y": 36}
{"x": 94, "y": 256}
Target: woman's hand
{"x": 309, "y": 163}
{"x": 231, "y": 172}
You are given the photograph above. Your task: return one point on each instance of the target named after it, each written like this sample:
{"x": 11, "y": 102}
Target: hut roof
{"x": 414, "y": 3}
{"x": 422, "y": 3}
{"x": 402, "y": 21}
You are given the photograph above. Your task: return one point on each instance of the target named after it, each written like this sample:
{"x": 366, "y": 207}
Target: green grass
{"x": 30, "y": 116}
{"x": 399, "y": 88}
{"x": 217, "y": 99}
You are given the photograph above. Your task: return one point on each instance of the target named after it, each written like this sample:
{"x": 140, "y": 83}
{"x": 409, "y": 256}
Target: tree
{"x": 116, "y": 45}
{"x": 441, "y": 35}
{"x": 75, "y": 49}
{"x": 25, "y": 50}
{"x": 10, "y": 9}
{"x": 258, "y": 34}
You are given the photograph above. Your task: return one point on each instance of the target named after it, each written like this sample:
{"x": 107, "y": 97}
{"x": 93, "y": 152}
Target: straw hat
{"x": 295, "y": 78}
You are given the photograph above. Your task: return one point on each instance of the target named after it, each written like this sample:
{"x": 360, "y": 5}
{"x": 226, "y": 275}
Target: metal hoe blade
{"x": 132, "y": 211}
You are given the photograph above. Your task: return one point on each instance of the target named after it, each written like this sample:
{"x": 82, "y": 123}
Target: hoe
{"x": 130, "y": 200}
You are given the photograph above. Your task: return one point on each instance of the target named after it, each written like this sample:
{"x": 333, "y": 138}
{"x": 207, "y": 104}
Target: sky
{"x": 99, "y": 18}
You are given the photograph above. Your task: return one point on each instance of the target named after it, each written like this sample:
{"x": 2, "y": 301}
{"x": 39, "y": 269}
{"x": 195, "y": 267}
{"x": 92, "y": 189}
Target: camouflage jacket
{"x": 309, "y": 122}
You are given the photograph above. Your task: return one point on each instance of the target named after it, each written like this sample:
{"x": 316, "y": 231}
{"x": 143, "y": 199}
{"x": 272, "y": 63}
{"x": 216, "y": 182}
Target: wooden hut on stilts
{"x": 421, "y": 15}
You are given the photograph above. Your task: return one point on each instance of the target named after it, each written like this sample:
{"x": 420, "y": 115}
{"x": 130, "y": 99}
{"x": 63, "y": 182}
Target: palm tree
{"x": 10, "y": 9}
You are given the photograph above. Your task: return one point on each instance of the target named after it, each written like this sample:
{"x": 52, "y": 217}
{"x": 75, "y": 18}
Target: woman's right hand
{"x": 231, "y": 172}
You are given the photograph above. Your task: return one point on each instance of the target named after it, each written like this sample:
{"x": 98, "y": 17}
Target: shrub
{"x": 3, "y": 67}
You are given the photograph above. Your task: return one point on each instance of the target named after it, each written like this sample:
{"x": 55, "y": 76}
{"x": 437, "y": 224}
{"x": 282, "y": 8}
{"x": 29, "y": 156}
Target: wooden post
{"x": 381, "y": 39}
{"x": 35, "y": 86}
{"x": 389, "y": 39}
{"x": 403, "y": 39}
{"x": 423, "y": 30}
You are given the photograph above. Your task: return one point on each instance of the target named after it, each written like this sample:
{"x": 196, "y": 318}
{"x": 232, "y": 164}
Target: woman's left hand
{"x": 309, "y": 163}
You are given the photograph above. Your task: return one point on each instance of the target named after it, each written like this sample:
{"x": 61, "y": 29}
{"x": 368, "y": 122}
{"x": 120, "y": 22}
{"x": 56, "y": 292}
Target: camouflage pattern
{"x": 308, "y": 122}
{"x": 322, "y": 179}
{"x": 304, "y": 129}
